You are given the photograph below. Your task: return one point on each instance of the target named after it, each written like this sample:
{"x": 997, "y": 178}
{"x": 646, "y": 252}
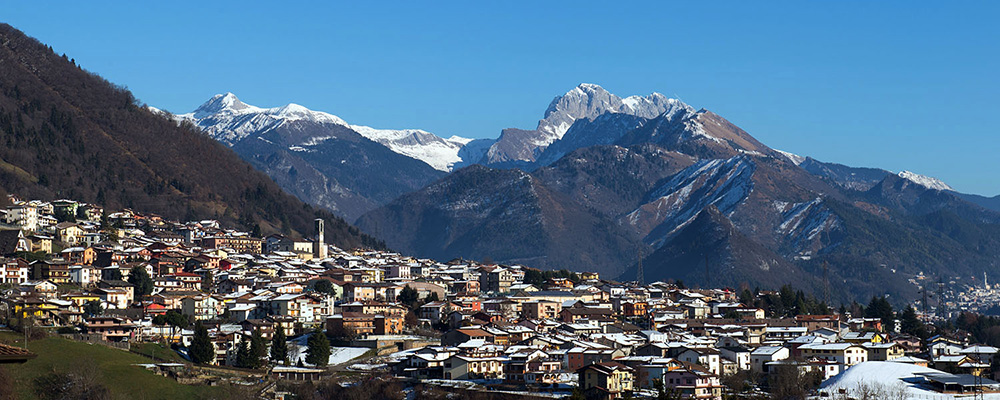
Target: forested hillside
{"x": 68, "y": 133}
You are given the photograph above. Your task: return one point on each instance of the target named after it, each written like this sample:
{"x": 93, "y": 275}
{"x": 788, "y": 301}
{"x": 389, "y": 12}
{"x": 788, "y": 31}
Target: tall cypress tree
{"x": 243, "y": 355}
{"x": 201, "y": 351}
{"x": 258, "y": 350}
{"x": 279, "y": 347}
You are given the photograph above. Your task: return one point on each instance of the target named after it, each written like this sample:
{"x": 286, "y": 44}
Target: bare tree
{"x": 874, "y": 391}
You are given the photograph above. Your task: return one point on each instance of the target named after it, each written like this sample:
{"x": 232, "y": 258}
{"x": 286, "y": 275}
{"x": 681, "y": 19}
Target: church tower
{"x": 319, "y": 246}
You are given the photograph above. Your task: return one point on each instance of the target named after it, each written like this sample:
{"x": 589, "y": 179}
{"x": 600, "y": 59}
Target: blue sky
{"x": 896, "y": 85}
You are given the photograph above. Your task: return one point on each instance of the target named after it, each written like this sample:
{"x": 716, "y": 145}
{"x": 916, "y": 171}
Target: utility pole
{"x": 940, "y": 290}
{"x": 25, "y": 326}
{"x": 979, "y": 377}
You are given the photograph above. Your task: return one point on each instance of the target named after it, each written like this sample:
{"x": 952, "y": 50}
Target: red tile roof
{"x": 11, "y": 354}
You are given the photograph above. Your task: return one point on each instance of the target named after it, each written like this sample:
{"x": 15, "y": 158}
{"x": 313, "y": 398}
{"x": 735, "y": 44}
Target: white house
{"x": 24, "y": 215}
{"x": 765, "y": 354}
{"x": 704, "y": 356}
{"x": 83, "y": 275}
{"x": 842, "y": 353}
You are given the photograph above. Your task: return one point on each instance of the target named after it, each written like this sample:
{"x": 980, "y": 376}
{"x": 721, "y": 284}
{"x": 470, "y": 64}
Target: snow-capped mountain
{"x": 589, "y": 101}
{"x": 683, "y": 188}
{"x": 925, "y": 181}
{"x": 320, "y": 158}
{"x": 586, "y": 101}
{"x": 227, "y": 119}
{"x": 440, "y": 153}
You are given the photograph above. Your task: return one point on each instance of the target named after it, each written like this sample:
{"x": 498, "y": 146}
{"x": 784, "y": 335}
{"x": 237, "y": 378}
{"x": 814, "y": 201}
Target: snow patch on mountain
{"x": 724, "y": 183}
{"x": 440, "y": 153}
{"x": 803, "y": 222}
{"x": 794, "y": 158}
{"x": 925, "y": 181}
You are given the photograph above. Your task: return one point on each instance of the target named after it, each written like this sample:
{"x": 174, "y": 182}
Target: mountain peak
{"x": 589, "y": 88}
{"x": 221, "y": 103}
{"x": 925, "y": 181}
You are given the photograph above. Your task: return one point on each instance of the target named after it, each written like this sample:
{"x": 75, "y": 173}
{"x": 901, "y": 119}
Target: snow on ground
{"x": 366, "y": 367}
{"x": 338, "y": 355}
{"x": 889, "y": 375}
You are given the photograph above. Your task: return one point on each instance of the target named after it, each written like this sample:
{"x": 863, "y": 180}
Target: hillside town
{"x": 127, "y": 277}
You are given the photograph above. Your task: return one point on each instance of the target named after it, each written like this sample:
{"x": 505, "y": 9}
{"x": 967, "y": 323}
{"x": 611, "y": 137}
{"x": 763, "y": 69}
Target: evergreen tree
{"x": 910, "y": 324}
{"x": 324, "y": 286}
{"x": 408, "y": 296}
{"x": 746, "y": 297}
{"x": 433, "y": 297}
{"x": 880, "y": 308}
{"x": 318, "y": 349}
{"x": 258, "y": 350}
{"x": 104, "y": 217}
{"x": 279, "y": 347}
{"x": 201, "y": 351}
{"x": 533, "y": 277}
{"x": 243, "y": 355}
{"x": 93, "y": 308}
{"x": 140, "y": 279}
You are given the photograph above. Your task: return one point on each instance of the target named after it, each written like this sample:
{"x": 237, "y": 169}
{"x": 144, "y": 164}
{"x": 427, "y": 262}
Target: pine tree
{"x": 258, "y": 350}
{"x": 201, "y": 351}
{"x": 93, "y": 308}
{"x": 140, "y": 279}
{"x": 408, "y": 296}
{"x": 243, "y": 355}
{"x": 324, "y": 286}
{"x": 910, "y": 324}
{"x": 318, "y": 349}
{"x": 279, "y": 347}
{"x": 880, "y": 308}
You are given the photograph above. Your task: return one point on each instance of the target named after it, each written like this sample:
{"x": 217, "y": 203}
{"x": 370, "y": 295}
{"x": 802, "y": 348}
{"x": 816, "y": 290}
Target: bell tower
{"x": 319, "y": 246}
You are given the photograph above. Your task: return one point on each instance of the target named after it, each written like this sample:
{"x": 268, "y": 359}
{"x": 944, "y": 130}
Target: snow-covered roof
{"x": 890, "y": 375}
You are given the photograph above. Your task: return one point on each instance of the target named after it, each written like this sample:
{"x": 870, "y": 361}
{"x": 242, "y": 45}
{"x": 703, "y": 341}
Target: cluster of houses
{"x": 468, "y": 321}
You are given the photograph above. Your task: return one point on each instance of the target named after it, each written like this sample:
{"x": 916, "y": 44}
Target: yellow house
{"x": 34, "y": 308}
{"x": 589, "y": 276}
{"x": 864, "y": 337}
{"x": 887, "y": 351}
{"x": 610, "y": 377}
{"x": 79, "y": 299}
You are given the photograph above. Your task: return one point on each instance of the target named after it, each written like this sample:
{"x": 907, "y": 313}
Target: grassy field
{"x": 116, "y": 368}
{"x": 161, "y": 352}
